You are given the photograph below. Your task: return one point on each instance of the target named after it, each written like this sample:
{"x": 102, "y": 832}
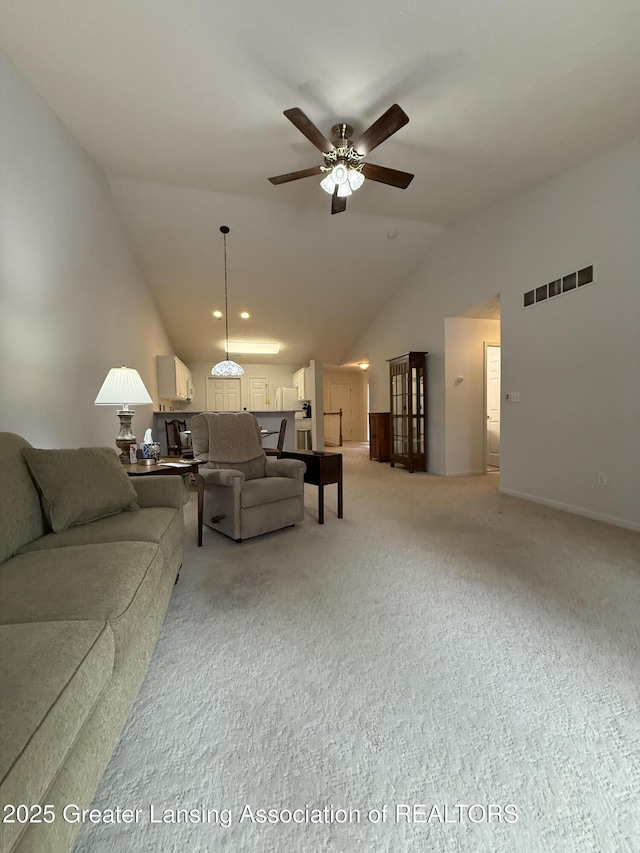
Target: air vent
{"x": 569, "y": 282}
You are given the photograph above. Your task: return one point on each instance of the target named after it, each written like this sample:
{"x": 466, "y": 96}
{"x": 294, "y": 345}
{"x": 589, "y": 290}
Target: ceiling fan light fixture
{"x": 340, "y": 174}
{"x": 328, "y": 184}
{"x": 347, "y": 181}
{"x": 356, "y": 179}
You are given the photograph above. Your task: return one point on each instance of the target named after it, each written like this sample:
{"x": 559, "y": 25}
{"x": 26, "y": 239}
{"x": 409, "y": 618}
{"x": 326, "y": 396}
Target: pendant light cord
{"x": 225, "y": 231}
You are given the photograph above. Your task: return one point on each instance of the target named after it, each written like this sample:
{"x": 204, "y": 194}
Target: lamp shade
{"x": 227, "y": 369}
{"x": 346, "y": 180}
{"x": 122, "y": 387}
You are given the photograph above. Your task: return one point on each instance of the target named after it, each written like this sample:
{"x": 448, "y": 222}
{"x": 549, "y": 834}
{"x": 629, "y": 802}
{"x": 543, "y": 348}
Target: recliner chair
{"x": 245, "y": 493}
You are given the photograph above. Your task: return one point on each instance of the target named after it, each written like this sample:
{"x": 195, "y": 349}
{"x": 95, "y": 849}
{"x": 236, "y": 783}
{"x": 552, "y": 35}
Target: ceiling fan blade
{"x": 308, "y": 128}
{"x": 388, "y": 123}
{"x": 383, "y": 175}
{"x": 338, "y": 203}
{"x": 295, "y": 176}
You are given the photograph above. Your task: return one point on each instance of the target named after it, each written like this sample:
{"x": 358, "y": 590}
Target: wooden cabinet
{"x": 174, "y": 378}
{"x": 408, "y": 403}
{"x": 380, "y": 436}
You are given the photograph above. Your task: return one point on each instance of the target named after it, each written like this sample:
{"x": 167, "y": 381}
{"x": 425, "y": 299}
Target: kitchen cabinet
{"x": 298, "y": 381}
{"x": 408, "y": 398}
{"x": 174, "y": 378}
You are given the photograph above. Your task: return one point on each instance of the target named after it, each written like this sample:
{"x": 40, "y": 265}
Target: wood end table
{"x": 173, "y": 466}
{"x": 322, "y": 470}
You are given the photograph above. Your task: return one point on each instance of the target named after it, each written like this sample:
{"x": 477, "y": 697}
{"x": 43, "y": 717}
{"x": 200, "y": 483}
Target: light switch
{"x": 513, "y": 396}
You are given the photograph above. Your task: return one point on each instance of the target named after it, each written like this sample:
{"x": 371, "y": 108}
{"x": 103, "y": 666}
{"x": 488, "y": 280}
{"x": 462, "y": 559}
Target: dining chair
{"x": 174, "y": 428}
{"x": 277, "y": 450}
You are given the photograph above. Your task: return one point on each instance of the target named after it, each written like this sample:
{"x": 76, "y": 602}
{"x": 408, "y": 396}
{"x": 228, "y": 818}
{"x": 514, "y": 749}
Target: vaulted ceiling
{"x": 180, "y": 103}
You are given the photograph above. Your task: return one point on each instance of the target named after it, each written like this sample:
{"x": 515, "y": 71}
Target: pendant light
{"x": 226, "y": 369}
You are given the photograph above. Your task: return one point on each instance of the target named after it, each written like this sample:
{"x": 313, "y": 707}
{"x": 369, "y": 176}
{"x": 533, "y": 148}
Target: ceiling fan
{"x": 343, "y": 167}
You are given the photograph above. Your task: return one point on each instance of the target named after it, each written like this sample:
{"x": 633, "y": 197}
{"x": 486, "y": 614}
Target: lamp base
{"x": 125, "y": 437}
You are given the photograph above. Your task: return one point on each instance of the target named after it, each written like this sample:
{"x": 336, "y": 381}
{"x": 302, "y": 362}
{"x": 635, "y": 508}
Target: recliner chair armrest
{"x": 294, "y": 468}
{"x": 221, "y": 476}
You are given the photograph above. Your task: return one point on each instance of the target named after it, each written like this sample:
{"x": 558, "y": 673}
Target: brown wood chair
{"x": 277, "y": 450}
{"x": 174, "y": 444}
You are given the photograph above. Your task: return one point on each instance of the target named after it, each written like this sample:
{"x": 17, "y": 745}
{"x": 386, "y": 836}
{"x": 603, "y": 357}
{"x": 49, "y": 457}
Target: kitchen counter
{"x": 269, "y": 420}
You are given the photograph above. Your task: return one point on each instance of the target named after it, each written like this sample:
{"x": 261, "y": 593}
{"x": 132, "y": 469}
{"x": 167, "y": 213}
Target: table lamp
{"x": 123, "y": 387}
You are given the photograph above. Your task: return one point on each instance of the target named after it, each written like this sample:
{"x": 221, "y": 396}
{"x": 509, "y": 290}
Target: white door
{"x": 492, "y": 372}
{"x": 258, "y": 393}
{"x": 339, "y": 398}
{"x": 223, "y": 395}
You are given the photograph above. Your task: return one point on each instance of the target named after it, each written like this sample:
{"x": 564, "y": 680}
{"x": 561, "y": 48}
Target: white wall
{"x": 465, "y": 400}
{"x": 277, "y": 375}
{"x": 574, "y": 359}
{"x": 72, "y": 301}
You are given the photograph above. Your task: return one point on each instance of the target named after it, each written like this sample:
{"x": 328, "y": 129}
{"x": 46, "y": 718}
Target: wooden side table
{"x": 380, "y": 436}
{"x": 322, "y": 470}
{"x": 173, "y": 466}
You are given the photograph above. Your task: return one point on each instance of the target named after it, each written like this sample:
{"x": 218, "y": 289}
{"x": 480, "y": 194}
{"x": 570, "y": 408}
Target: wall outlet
{"x": 601, "y": 478}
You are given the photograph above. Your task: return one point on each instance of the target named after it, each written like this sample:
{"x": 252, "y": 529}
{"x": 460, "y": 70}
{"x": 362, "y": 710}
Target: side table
{"x": 322, "y": 469}
{"x": 173, "y": 466}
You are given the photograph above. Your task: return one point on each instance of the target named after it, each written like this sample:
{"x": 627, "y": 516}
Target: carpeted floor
{"x": 443, "y": 646}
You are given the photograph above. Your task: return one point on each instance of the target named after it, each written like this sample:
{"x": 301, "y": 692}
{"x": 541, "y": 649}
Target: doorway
{"x": 223, "y": 395}
{"x": 340, "y": 396}
{"x": 492, "y": 378}
{"x": 258, "y": 393}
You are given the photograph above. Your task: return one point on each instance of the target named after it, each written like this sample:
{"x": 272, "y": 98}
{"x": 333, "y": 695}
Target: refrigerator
{"x": 287, "y": 399}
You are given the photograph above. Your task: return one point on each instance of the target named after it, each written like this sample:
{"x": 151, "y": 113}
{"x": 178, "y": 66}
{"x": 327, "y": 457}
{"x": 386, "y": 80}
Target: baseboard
{"x": 576, "y": 510}
{"x": 465, "y": 473}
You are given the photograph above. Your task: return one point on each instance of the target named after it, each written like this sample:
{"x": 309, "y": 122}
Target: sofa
{"x": 88, "y": 561}
{"x": 246, "y": 494}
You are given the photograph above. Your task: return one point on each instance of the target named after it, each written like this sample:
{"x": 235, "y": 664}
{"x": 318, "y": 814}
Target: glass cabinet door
{"x": 399, "y": 426}
{"x": 407, "y": 388}
{"x": 417, "y": 409}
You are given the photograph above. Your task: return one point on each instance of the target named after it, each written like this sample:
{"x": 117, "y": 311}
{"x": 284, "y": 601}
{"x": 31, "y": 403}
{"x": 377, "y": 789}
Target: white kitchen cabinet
{"x": 175, "y": 381}
{"x": 298, "y": 381}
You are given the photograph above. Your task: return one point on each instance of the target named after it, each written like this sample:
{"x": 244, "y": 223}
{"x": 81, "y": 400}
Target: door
{"x": 258, "y": 393}
{"x": 492, "y": 382}
{"x": 223, "y": 395}
{"x": 339, "y": 398}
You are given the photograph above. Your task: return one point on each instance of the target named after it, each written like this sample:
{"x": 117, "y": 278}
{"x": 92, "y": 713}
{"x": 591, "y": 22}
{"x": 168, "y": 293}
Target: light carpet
{"x": 442, "y": 646}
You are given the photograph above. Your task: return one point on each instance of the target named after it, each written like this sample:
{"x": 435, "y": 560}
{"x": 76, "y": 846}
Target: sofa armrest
{"x": 293, "y": 468}
{"x": 222, "y": 476}
{"x": 159, "y": 491}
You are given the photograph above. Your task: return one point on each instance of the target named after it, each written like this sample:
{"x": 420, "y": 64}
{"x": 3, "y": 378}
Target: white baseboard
{"x": 576, "y": 510}
{"x": 465, "y": 473}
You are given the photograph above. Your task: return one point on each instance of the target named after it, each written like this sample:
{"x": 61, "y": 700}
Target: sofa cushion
{"x": 79, "y": 485}
{"x": 21, "y": 516}
{"x": 146, "y": 525}
{"x": 52, "y": 674}
{"x": 268, "y": 490}
{"x": 113, "y": 583}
